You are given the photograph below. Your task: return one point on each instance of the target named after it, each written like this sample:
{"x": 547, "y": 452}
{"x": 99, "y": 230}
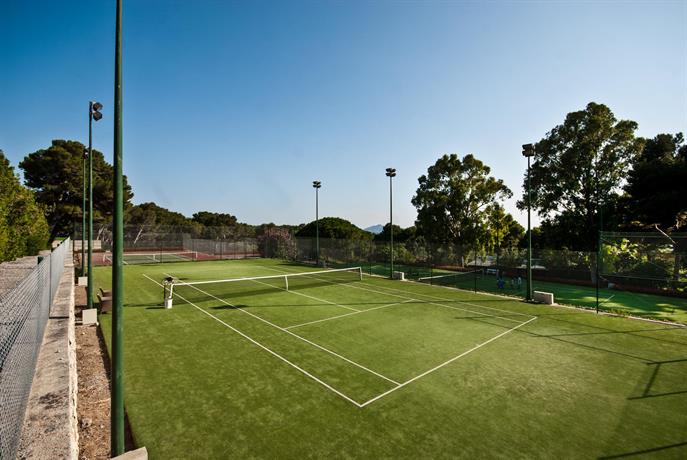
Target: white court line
{"x": 256, "y": 280}
{"x": 431, "y": 303}
{"x": 606, "y": 300}
{"x": 500, "y": 296}
{"x": 349, "y": 314}
{"x": 293, "y": 334}
{"x": 326, "y": 385}
{"x": 460, "y": 301}
{"x": 309, "y": 296}
{"x": 370, "y": 401}
{"x": 399, "y": 385}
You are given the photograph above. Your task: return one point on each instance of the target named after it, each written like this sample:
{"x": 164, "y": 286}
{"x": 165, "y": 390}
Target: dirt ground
{"x": 93, "y": 404}
{"x": 93, "y": 407}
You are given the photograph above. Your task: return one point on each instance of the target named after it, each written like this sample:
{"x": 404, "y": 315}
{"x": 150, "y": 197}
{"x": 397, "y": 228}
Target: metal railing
{"x": 24, "y": 312}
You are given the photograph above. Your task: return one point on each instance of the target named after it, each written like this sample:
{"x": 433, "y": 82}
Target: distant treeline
{"x": 589, "y": 173}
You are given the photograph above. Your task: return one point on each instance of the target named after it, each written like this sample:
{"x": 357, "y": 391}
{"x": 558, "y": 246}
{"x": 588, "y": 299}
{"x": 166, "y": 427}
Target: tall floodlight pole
{"x": 390, "y": 173}
{"x": 93, "y": 114}
{"x": 528, "y": 151}
{"x": 117, "y": 372}
{"x": 83, "y": 217}
{"x": 598, "y": 237}
{"x": 316, "y": 185}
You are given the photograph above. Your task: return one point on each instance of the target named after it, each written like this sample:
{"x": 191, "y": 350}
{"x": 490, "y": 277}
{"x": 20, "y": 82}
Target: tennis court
{"x": 360, "y": 366}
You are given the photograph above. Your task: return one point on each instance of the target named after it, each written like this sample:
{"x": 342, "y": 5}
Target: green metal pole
{"x": 89, "y": 286}
{"x": 474, "y": 275}
{"x": 83, "y": 218}
{"x": 598, "y": 255}
{"x": 391, "y": 225}
{"x": 529, "y": 235}
{"x": 117, "y": 401}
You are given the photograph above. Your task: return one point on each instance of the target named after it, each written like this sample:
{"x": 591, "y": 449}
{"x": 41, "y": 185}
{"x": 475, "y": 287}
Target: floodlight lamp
{"x": 391, "y": 172}
{"x": 316, "y": 184}
{"x": 95, "y": 107}
{"x": 528, "y": 150}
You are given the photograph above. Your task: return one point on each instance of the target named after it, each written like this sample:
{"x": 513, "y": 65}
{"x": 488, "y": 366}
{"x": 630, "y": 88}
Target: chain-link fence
{"x": 24, "y": 312}
{"x": 640, "y": 274}
{"x": 636, "y": 275}
{"x": 161, "y": 244}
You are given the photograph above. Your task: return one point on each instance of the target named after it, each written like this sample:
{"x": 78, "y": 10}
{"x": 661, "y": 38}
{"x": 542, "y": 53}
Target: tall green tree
{"x": 503, "y": 230}
{"x": 657, "y": 184}
{"x": 336, "y": 228}
{"x": 56, "y": 176}
{"x": 454, "y": 198}
{"x": 578, "y": 166}
{"x": 151, "y": 215}
{"x": 401, "y": 235}
{"x": 215, "y": 219}
{"x": 23, "y": 228}
{"x": 222, "y": 225}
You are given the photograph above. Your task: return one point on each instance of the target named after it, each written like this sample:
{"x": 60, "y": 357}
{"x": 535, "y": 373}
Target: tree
{"x": 657, "y": 184}
{"x": 503, "y": 230}
{"x": 336, "y": 228}
{"x": 215, "y": 219}
{"x": 222, "y": 225}
{"x": 56, "y": 176}
{"x": 580, "y": 165}
{"x": 401, "y": 235}
{"x": 23, "y": 228}
{"x": 454, "y": 198}
{"x": 150, "y": 214}
{"x": 276, "y": 242}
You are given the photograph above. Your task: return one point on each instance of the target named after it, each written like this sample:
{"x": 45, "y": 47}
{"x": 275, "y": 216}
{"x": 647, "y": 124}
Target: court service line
{"x": 370, "y": 401}
{"x": 308, "y": 296}
{"x": 349, "y": 314}
{"x": 461, "y": 301}
{"x": 295, "y": 335}
{"x": 429, "y": 297}
{"x": 277, "y": 355}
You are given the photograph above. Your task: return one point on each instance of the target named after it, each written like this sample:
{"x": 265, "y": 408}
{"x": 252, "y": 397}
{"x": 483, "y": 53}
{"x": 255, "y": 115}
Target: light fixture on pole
{"x": 317, "y": 185}
{"x": 93, "y": 114}
{"x": 528, "y": 151}
{"x": 391, "y": 173}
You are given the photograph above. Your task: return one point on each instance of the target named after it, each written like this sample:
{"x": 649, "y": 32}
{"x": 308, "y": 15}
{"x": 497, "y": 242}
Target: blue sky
{"x": 237, "y": 106}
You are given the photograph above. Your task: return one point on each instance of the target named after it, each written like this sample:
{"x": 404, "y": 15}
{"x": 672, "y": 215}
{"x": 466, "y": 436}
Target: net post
{"x": 360, "y": 273}
{"x": 168, "y": 292}
{"x": 286, "y": 281}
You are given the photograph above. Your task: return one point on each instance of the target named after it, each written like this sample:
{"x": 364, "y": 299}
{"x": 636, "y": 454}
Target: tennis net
{"x": 134, "y": 258}
{"x": 461, "y": 280}
{"x": 232, "y": 289}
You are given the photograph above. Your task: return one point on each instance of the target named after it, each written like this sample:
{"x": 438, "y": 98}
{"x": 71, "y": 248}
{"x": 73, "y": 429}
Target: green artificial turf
{"x": 211, "y": 380}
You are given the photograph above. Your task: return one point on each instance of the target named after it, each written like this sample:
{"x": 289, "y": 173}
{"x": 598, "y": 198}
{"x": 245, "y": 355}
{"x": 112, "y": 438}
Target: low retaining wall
{"x": 50, "y": 424}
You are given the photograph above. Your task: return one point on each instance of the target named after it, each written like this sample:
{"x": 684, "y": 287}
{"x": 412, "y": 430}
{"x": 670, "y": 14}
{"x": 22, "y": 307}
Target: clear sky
{"x": 237, "y": 106}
